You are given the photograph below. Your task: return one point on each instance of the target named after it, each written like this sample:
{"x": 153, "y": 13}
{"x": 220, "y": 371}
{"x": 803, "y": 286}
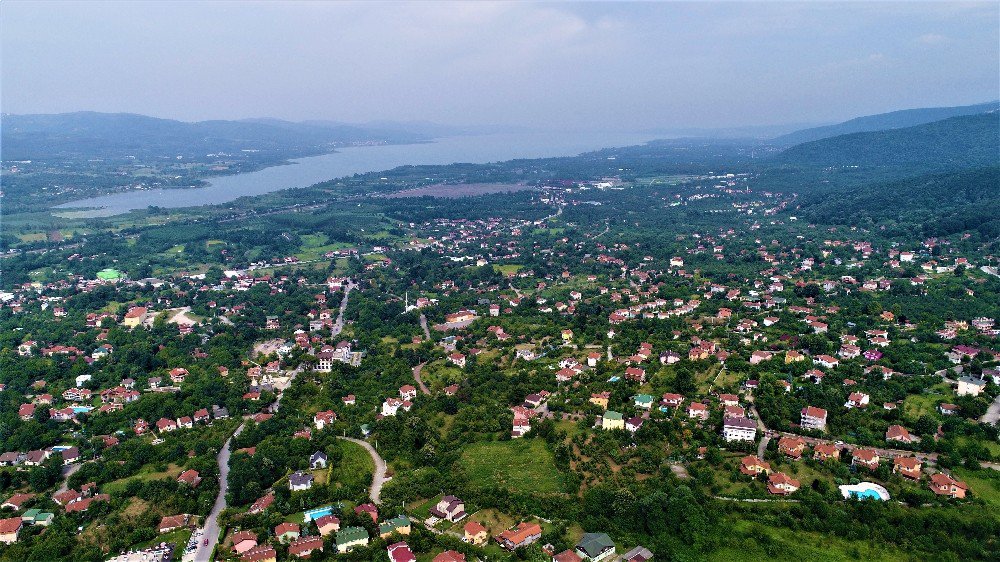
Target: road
{"x": 420, "y": 382}
{"x": 992, "y": 415}
{"x": 765, "y": 439}
{"x": 881, "y": 451}
{"x": 423, "y": 324}
{"x": 67, "y": 471}
{"x": 338, "y": 326}
{"x": 211, "y": 528}
{"x": 378, "y": 479}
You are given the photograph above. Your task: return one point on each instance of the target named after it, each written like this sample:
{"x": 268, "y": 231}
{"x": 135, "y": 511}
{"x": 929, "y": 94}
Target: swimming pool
{"x": 81, "y": 409}
{"x": 864, "y": 490}
{"x": 615, "y": 378}
{"x": 316, "y": 513}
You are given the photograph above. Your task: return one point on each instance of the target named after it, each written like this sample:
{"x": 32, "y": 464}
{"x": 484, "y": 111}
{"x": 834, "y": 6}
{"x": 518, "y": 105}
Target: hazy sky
{"x": 582, "y": 66}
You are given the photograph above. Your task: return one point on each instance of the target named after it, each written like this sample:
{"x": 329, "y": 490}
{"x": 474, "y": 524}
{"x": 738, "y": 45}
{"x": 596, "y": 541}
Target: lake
{"x": 303, "y": 172}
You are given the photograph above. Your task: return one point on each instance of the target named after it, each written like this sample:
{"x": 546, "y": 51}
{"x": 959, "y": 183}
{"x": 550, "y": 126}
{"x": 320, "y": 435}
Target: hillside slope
{"x": 884, "y": 121}
{"x": 958, "y": 142}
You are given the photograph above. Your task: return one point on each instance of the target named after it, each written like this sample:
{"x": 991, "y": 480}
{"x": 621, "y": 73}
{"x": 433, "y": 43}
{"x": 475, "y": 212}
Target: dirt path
{"x": 378, "y": 479}
{"x": 423, "y": 325}
{"x": 420, "y": 382}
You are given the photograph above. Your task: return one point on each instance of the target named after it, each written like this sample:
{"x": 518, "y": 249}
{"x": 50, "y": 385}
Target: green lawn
{"x": 917, "y": 405}
{"x": 525, "y": 465}
{"x": 507, "y": 269}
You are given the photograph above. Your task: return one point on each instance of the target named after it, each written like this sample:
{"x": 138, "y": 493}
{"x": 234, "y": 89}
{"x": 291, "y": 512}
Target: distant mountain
{"x": 949, "y": 144}
{"x": 114, "y": 135}
{"x": 883, "y": 121}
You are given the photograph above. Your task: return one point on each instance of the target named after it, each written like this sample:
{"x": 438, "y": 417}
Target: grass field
{"x": 752, "y": 542}
{"x": 982, "y": 487}
{"x": 507, "y": 269}
{"x": 917, "y": 405}
{"x": 523, "y": 464}
{"x": 355, "y": 467}
{"x": 173, "y": 471}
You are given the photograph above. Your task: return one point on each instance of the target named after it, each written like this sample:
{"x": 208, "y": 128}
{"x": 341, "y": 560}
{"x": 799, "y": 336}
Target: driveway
{"x": 992, "y": 415}
{"x": 378, "y": 479}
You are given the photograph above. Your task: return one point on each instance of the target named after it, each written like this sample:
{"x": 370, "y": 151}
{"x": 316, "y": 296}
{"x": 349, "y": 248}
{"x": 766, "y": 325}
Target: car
{"x": 205, "y": 543}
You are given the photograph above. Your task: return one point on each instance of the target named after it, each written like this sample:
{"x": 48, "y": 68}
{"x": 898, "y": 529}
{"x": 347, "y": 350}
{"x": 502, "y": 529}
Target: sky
{"x": 558, "y": 66}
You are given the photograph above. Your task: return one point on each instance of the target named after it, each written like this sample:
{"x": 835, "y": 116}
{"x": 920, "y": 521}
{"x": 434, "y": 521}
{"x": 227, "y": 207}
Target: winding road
{"x": 378, "y": 479}
{"x": 210, "y": 530}
{"x": 992, "y": 415}
{"x": 211, "y": 527}
{"x": 420, "y": 382}
{"x": 423, "y": 324}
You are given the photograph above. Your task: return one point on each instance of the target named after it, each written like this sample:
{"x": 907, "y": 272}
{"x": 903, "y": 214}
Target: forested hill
{"x": 934, "y": 204}
{"x": 884, "y": 121}
{"x": 110, "y": 135}
{"x": 951, "y": 144}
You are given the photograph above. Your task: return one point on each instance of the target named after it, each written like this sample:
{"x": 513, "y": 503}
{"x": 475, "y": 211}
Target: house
{"x": 9, "y": 528}
{"x": 17, "y": 501}
{"x": 900, "y": 434}
{"x": 826, "y": 451}
{"x": 134, "y": 317}
{"x": 262, "y": 553}
{"x": 595, "y": 547}
{"x": 261, "y": 504}
{"x": 944, "y": 485}
{"x": 165, "y": 425}
{"x": 327, "y": 524}
{"x": 867, "y": 458}
{"x": 827, "y": 361}
{"x": 350, "y": 537}
{"x": 287, "y": 532}
{"x": 173, "y": 522}
{"x": 400, "y": 552}
{"x": 633, "y": 424}
{"x": 644, "y": 401}
{"x": 907, "y": 466}
{"x": 243, "y": 541}
{"x": 26, "y": 411}
{"x": 612, "y": 420}
{"x": 781, "y": 484}
{"x": 300, "y": 481}
{"x": 729, "y": 399}
{"x": 368, "y": 508}
{"x": 857, "y": 400}
{"x": 475, "y": 533}
{"x": 947, "y": 409}
{"x": 753, "y": 466}
{"x": 697, "y": 410}
{"x": 324, "y": 418}
{"x": 407, "y": 392}
{"x": 813, "y": 418}
{"x": 318, "y": 460}
{"x": 671, "y": 400}
{"x": 399, "y": 524}
{"x": 190, "y": 477}
{"x": 458, "y": 359}
{"x": 600, "y": 399}
{"x": 304, "y": 546}
{"x": 450, "y": 508}
{"x": 738, "y": 429}
{"x": 792, "y": 446}
{"x": 635, "y": 374}
{"x": 449, "y": 556}
{"x": 638, "y": 554}
{"x": 969, "y": 386}
{"x": 524, "y": 534}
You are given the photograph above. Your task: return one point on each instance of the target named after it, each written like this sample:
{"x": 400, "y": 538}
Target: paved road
{"x": 211, "y": 527}
{"x": 338, "y": 326}
{"x": 765, "y": 439}
{"x": 67, "y": 471}
{"x": 423, "y": 324}
{"x": 420, "y": 382}
{"x": 378, "y": 479}
{"x": 992, "y": 415}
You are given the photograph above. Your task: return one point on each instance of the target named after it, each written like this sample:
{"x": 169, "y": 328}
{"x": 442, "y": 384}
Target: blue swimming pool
{"x": 866, "y": 494}
{"x": 314, "y": 514}
{"x": 81, "y": 409}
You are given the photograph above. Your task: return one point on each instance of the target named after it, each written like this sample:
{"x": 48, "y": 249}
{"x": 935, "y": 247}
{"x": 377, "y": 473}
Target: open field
{"x": 524, "y": 465}
{"x": 356, "y": 467}
{"x": 753, "y": 542}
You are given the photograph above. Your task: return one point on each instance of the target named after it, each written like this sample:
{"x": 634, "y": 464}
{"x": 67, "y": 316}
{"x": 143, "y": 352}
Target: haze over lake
{"x": 357, "y": 160}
